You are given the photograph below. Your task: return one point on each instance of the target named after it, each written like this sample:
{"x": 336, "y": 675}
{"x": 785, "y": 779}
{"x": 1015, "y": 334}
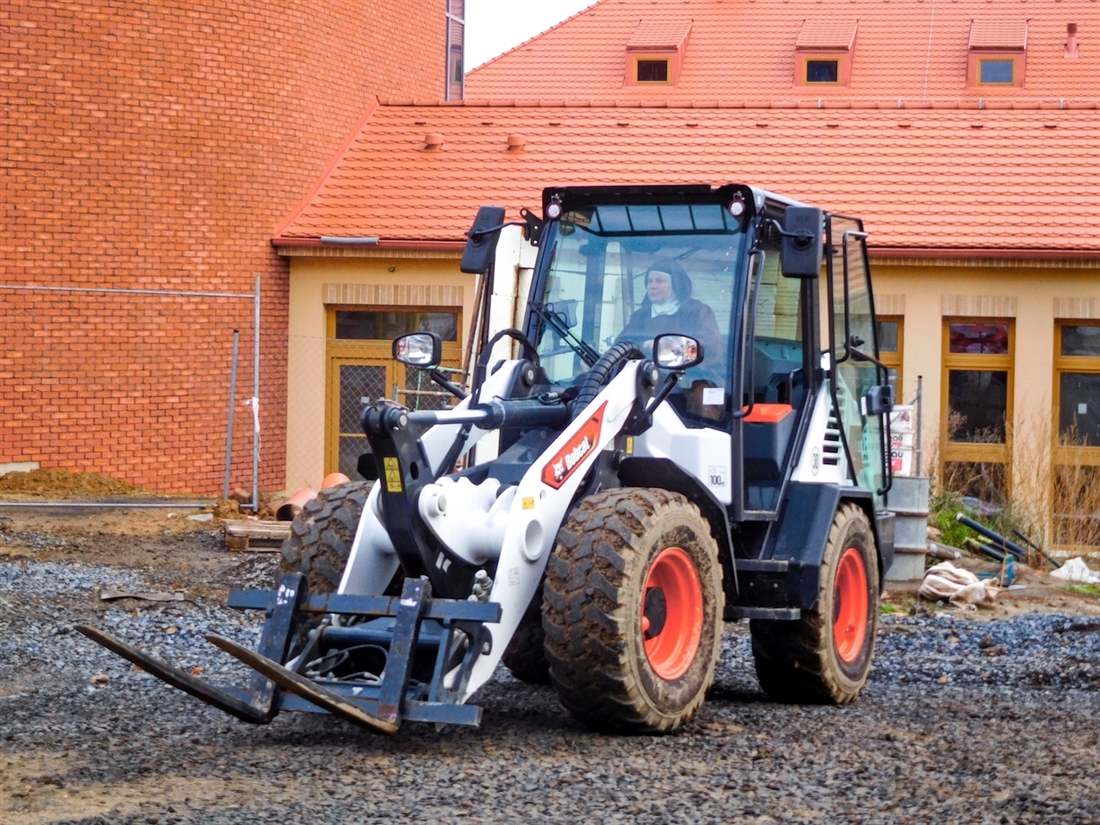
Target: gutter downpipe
{"x": 256, "y": 405}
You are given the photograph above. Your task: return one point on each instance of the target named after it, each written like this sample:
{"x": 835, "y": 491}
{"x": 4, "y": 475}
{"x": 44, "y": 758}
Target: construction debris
{"x": 946, "y": 582}
{"x": 1075, "y": 570}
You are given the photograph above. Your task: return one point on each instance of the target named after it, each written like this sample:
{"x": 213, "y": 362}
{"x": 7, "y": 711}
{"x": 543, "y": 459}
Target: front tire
{"x": 632, "y": 611}
{"x": 825, "y": 657}
{"x": 321, "y": 535}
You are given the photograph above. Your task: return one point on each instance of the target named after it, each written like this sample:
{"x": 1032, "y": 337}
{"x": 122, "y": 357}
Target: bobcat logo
{"x": 573, "y": 454}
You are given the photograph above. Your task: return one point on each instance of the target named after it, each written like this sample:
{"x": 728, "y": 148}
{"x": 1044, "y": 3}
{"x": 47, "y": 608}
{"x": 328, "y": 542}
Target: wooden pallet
{"x": 256, "y": 536}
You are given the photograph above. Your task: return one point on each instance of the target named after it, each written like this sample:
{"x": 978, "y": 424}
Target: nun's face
{"x": 658, "y": 286}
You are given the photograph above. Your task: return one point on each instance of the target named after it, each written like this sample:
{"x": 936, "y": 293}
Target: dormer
{"x": 997, "y": 55}
{"x": 655, "y": 53}
{"x": 823, "y": 53}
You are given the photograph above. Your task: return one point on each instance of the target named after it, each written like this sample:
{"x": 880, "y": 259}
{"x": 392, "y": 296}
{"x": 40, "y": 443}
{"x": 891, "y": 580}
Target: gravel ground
{"x": 964, "y": 721}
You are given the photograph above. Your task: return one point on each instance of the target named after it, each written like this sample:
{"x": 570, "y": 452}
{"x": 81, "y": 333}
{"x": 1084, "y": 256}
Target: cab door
{"x": 858, "y": 372}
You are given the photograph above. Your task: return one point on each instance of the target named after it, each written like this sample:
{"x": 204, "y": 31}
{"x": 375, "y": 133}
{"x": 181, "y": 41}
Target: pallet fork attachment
{"x": 410, "y": 623}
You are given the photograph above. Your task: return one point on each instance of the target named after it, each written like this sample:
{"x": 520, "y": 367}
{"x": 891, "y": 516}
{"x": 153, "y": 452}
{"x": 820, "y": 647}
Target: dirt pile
{"x": 57, "y": 483}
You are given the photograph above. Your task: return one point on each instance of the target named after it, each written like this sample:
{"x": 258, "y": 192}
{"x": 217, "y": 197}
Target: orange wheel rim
{"x": 672, "y": 614}
{"x": 850, "y": 605}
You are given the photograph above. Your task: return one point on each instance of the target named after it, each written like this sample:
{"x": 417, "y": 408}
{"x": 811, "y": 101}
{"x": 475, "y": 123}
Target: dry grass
{"x": 1055, "y": 504}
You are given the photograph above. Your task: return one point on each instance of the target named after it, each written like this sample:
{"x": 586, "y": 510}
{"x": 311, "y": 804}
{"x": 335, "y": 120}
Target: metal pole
{"x": 232, "y": 404}
{"x": 255, "y": 402}
{"x": 920, "y": 420}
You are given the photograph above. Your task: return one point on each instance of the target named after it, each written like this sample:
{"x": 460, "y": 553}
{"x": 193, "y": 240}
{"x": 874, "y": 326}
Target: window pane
{"x": 359, "y": 386}
{"x": 987, "y": 339}
{"x": 1079, "y": 410}
{"x": 822, "y": 71}
{"x": 1081, "y": 340}
{"x": 456, "y": 31}
{"x": 645, "y": 218}
{"x": 676, "y": 218}
{"x": 978, "y": 403}
{"x": 887, "y": 336}
{"x": 985, "y": 481}
{"x": 652, "y": 71}
{"x": 385, "y": 326}
{"x": 1077, "y": 506}
{"x": 457, "y": 7}
{"x": 996, "y": 71}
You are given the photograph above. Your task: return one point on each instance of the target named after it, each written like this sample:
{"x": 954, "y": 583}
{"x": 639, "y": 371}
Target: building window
{"x": 652, "y": 71}
{"x": 998, "y": 72}
{"x": 890, "y": 330}
{"x": 997, "y": 52}
{"x": 975, "y": 432}
{"x": 1076, "y": 481}
{"x": 822, "y": 71}
{"x": 456, "y": 39}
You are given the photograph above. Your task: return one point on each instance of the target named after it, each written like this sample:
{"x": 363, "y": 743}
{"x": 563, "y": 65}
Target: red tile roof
{"x": 1017, "y": 180}
{"x": 930, "y": 164}
{"x": 998, "y": 34}
{"x": 744, "y": 50}
{"x": 827, "y": 34}
{"x": 660, "y": 34}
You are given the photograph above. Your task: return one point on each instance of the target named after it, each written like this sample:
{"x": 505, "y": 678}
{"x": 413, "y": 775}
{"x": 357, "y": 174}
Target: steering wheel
{"x": 603, "y": 371}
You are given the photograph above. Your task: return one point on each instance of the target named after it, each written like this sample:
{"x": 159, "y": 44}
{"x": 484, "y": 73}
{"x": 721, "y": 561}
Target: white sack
{"x": 946, "y": 582}
{"x": 1075, "y": 570}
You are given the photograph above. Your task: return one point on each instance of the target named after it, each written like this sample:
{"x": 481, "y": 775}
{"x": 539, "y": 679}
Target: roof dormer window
{"x": 651, "y": 70}
{"x": 823, "y": 71}
{"x": 823, "y": 53}
{"x": 997, "y": 54}
{"x": 655, "y": 53}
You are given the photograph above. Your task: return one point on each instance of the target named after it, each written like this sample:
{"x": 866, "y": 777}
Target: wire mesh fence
{"x": 130, "y": 383}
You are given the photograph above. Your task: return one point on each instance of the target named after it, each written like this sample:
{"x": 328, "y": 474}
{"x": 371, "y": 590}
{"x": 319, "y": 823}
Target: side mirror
{"x": 803, "y": 242}
{"x": 418, "y": 349}
{"x": 481, "y": 240}
{"x": 877, "y": 401}
{"x": 676, "y": 352}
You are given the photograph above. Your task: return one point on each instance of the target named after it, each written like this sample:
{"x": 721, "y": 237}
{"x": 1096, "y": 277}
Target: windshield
{"x": 632, "y": 272}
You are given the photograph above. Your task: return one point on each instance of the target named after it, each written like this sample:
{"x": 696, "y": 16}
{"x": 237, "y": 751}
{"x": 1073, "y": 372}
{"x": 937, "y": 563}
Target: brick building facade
{"x": 147, "y": 152}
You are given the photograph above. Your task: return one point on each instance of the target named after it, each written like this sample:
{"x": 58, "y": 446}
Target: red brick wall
{"x": 155, "y": 146}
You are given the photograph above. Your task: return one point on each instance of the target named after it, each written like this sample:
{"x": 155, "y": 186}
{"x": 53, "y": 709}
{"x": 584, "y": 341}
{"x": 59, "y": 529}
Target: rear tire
{"x": 825, "y": 657}
{"x": 632, "y": 611}
{"x": 321, "y": 535}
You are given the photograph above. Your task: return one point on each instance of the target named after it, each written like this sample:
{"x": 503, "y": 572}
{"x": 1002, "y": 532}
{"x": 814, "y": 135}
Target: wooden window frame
{"x": 368, "y": 352}
{"x": 1063, "y": 455}
{"x": 667, "y": 59}
{"x": 971, "y": 453}
{"x": 1068, "y": 454}
{"x": 894, "y": 360}
{"x": 976, "y": 58}
{"x": 843, "y": 60}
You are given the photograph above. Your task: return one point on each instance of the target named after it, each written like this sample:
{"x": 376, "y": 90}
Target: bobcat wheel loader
{"x": 629, "y": 495}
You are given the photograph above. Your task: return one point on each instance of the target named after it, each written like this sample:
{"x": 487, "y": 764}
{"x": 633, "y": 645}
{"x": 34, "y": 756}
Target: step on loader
{"x": 691, "y": 428}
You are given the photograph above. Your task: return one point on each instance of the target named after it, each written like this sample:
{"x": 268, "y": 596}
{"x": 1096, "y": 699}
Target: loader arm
{"x": 541, "y": 502}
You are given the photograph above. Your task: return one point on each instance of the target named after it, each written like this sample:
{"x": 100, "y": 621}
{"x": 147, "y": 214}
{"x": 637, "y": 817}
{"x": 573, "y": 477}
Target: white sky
{"x": 495, "y": 26}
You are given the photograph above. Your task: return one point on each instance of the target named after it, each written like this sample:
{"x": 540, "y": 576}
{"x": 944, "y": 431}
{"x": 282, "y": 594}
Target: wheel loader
{"x": 690, "y": 428}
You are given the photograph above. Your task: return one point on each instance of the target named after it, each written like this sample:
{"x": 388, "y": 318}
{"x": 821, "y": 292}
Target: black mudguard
{"x": 787, "y": 573}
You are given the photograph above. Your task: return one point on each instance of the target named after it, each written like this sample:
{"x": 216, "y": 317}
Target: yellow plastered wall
{"x": 401, "y": 278}
{"x": 1034, "y": 293}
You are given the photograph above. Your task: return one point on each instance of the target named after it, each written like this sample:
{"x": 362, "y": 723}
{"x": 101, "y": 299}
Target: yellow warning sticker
{"x": 529, "y": 503}
{"x": 630, "y": 445}
{"x": 393, "y": 475}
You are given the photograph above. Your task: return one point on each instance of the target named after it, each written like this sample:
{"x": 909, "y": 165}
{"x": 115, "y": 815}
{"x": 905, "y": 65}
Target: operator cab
{"x": 738, "y": 269}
